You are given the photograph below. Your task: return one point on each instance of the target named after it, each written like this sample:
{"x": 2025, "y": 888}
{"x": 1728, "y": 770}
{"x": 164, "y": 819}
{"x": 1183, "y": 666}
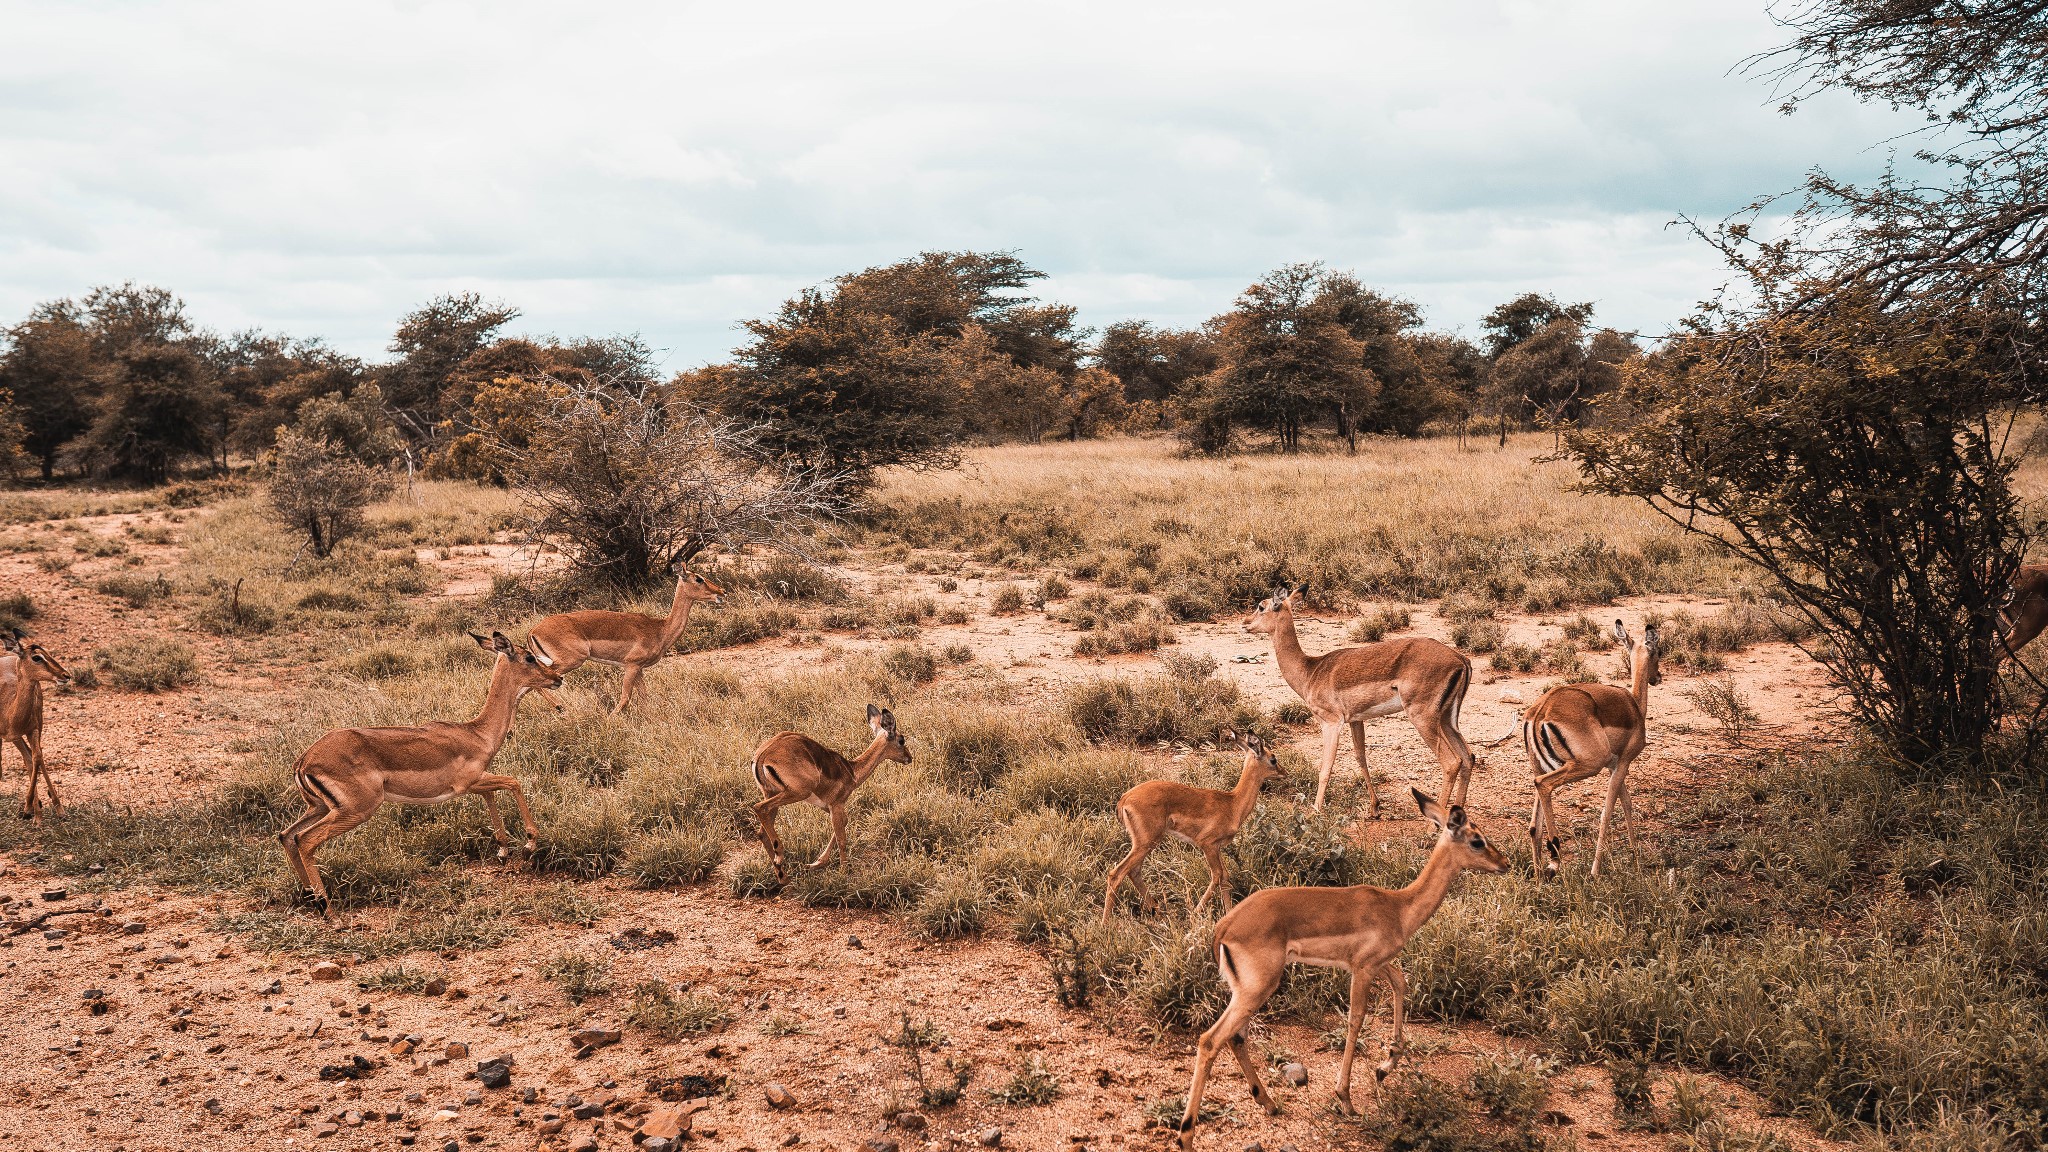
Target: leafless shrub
{"x": 630, "y": 482}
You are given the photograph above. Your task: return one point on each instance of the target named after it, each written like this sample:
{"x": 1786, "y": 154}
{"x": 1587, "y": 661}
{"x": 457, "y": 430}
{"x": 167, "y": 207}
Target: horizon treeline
{"x": 901, "y": 364}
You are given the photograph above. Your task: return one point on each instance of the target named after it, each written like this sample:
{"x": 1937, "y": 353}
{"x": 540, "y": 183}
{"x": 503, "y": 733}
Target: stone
{"x": 881, "y": 1144}
{"x": 434, "y": 987}
{"x": 992, "y": 1138}
{"x": 664, "y": 1123}
{"x": 585, "y": 1143}
{"x": 1255, "y": 1146}
{"x": 134, "y": 928}
{"x": 1295, "y": 1074}
{"x": 54, "y": 894}
{"x": 587, "y": 1111}
{"x": 326, "y": 970}
{"x": 853, "y": 942}
{"x": 456, "y": 1050}
{"x": 590, "y": 1038}
{"x": 212, "y": 1105}
{"x": 791, "y": 1140}
{"x": 656, "y": 1144}
{"x": 352, "y": 1118}
{"x": 779, "y": 1098}
{"x": 271, "y": 989}
{"x": 911, "y": 1121}
{"x": 325, "y": 1130}
{"x": 529, "y": 1095}
{"x": 472, "y": 1099}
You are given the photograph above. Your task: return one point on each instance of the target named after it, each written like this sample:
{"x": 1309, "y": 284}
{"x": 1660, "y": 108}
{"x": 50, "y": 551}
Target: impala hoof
{"x": 1343, "y": 1103}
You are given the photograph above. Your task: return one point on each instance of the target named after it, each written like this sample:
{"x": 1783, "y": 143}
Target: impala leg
{"x": 316, "y": 809}
{"x": 629, "y": 684}
{"x": 331, "y": 824}
{"x": 1127, "y": 869}
{"x": 1249, "y": 991}
{"x": 29, "y": 760}
{"x": 1617, "y": 783}
{"x": 498, "y": 832}
{"x": 525, "y": 814}
{"x": 50, "y": 787}
{"x": 765, "y": 811}
{"x": 1573, "y": 771}
{"x": 1242, "y": 1051}
{"x": 1397, "y": 991}
{"x": 1372, "y": 792}
{"x": 1361, "y": 991}
{"x": 1453, "y": 755}
{"x": 839, "y": 834}
{"x": 1217, "y": 876}
{"x": 1331, "y": 734}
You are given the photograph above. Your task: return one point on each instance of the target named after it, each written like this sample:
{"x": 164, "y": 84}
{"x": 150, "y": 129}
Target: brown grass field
{"x": 1777, "y": 963}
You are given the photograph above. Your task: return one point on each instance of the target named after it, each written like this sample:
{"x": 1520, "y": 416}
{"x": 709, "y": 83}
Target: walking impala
{"x": 1360, "y": 929}
{"x": 792, "y": 767}
{"x": 350, "y": 772}
{"x": 1422, "y": 677}
{"x": 1208, "y": 818}
{"x": 2025, "y": 611}
{"x": 1575, "y": 730}
{"x": 23, "y": 671}
{"x": 632, "y": 640}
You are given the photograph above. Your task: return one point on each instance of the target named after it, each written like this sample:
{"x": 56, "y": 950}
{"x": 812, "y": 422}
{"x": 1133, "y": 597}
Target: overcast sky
{"x": 673, "y": 168}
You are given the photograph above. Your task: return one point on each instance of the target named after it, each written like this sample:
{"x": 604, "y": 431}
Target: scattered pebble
{"x": 992, "y": 1138}
{"x": 1294, "y": 1074}
{"x": 326, "y": 970}
{"x": 779, "y": 1098}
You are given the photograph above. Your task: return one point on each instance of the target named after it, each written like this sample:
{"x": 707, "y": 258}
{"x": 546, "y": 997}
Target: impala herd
{"x": 1573, "y": 732}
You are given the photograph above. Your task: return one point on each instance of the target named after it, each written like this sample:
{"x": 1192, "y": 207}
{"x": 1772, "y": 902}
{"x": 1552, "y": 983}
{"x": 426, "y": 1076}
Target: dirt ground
{"x": 138, "y": 1025}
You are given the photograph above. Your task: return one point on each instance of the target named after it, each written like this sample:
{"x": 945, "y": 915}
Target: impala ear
{"x": 1301, "y": 589}
{"x": 1430, "y": 808}
{"x": 503, "y": 643}
{"x": 873, "y": 713}
{"x": 1621, "y": 631}
{"x": 483, "y": 642}
{"x": 1457, "y": 823}
{"x": 1650, "y": 638}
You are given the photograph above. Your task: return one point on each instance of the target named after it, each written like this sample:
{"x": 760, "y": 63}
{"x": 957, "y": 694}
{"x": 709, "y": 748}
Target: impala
{"x": 1208, "y": 818}
{"x": 2025, "y": 611}
{"x": 631, "y": 640}
{"x": 1575, "y": 731}
{"x": 1422, "y": 677}
{"x": 23, "y": 672}
{"x": 792, "y": 767}
{"x": 1360, "y": 929}
{"x": 350, "y": 772}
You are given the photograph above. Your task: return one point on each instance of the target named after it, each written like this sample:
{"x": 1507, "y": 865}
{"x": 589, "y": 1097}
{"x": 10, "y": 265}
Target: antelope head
{"x": 895, "y": 745}
{"x": 531, "y": 670}
{"x": 1456, "y": 831}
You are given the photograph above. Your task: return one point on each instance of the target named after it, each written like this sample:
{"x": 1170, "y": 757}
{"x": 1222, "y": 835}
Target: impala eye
{"x": 1479, "y": 842}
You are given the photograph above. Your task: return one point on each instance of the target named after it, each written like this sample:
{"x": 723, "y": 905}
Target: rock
{"x": 472, "y": 1099}
{"x": 587, "y": 1111}
{"x": 791, "y": 1140}
{"x": 656, "y": 1144}
{"x": 881, "y": 1144}
{"x": 456, "y": 1050}
{"x": 584, "y": 1143}
{"x": 853, "y": 942}
{"x": 54, "y": 894}
{"x": 1294, "y": 1074}
{"x": 589, "y": 1039}
{"x": 270, "y": 989}
{"x": 1556, "y": 1119}
{"x": 1255, "y": 1146}
{"x": 779, "y": 1098}
{"x": 326, "y": 970}
{"x": 134, "y": 928}
{"x": 434, "y": 987}
{"x": 911, "y": 1121}
{"x": 992, "y": 1138}
{"x": 452, "y": 1146}
{"x": 494, "y": 1073}
{"x": 405, "y": 1045}
{"x": 1510, "y": 696}
{"x": 529, "y": 1096}
{"x": 352, "y": 1118}
{"x": 325, "y": 1130}
{"x": 212, "y": 1105}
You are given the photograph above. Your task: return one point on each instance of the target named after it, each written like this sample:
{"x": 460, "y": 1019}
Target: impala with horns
{"x": 1424, "y": 678}
{"x": 350, "y": 772}
{"x": 791, "y": 767}
{"x": 24, "y": 668}
{"x": 1360, "y": 929}
{"x": 2025, "y": 611}
{"x": 1208, "y": 818}
{"x": 1576, "y": 731}
{"x": 631, "y": 640}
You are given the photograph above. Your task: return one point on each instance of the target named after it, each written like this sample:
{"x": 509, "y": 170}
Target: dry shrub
{"x": 1157, "y": 709}
{"x": 147, "y": 663}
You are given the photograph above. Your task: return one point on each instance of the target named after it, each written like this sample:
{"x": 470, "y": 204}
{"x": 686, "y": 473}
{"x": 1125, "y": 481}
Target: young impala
{"x": 1208, "y": 818}
{"x": 631, "y": 640}
{"x": 2025, "y": 611}
{"x": 1576, "y": 730}
{"x": 1360, "y": 929}
{"x": 1422, "y": 677}
{"x": 25, "y": 668}
{"x": 792, "y": 767}
{"x": 350, "y": 772}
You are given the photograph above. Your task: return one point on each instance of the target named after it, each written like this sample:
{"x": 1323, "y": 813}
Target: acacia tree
{"x": 630, "y": 481}
{"x": 50, "y": 368}
{"x": 1286, "y": 358}
{"x": 319, "y": 488}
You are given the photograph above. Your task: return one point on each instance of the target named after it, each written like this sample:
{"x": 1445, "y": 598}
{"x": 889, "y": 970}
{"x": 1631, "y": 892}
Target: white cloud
{"x": 674, "y": 168}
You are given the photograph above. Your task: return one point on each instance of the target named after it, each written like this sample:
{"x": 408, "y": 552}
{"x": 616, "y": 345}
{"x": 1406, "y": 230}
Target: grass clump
{"x": 911, "y": 663}
{"x": 1033, "y": 1084}
{"x": 147, "y": 663}
{"x": 16, "y": 610}
{"x": 675, "y": 856}
{"x": 582, "y": 975}
{"x": 1377, "y": 625}
{"x": 1726, "y": 705}
{"x": 673, "y": 1013}
{"x": 134, "y": 589}
{"x": 977, "y": 755}
{"x": 955, "y": 906}
{"x": 1511, "y": 1088}
{"x": 1419, "y": 1113}
{"x": 1161, "y": 709}
{"x": 1008, "y": 598}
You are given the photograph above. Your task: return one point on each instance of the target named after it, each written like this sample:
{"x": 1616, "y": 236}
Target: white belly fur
{"x": 1390, "y": 706}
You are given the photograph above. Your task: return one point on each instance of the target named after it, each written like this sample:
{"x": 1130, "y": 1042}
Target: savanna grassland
{"x": 1802, "y": 945}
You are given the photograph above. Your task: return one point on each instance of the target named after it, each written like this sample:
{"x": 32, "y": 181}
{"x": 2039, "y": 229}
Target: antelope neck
{"x": 1639, "y": 685}
{"x": 501, "y": 704}
{"x": 1246, "y": 794}
{"x": 1288, "y": 655}
{"x": 1420, "y": 898}
{"x": 864, "y": 765}
{"x": 677, "y": 619}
